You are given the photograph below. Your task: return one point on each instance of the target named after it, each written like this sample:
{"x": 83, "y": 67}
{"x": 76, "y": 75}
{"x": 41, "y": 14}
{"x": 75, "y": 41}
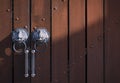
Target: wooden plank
{"x": 59, "y": 41}
{"x": 5, "y": 42}
{"x": 41, "y": 19}
{"x": 21, "y": 19}
{"x": 77, "y": 41}
{"x": 112, "y": 43}
{"x": 95, "y": 41}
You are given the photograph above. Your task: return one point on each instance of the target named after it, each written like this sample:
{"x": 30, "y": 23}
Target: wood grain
{"x": 77, "y": 41}
{"x": 112, "y": 39}
{"x": 5, "y": 42}
{"x": 21, "y": 19}
{"x": 66, "y": 23}
{"x": 41, "y": 19}
{"x": 59, "y": 41}
{"x": 95, "y": 41}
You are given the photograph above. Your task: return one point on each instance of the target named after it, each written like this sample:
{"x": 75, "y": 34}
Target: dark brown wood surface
{"x": 112, "y": 41}
{"x": 77, "y": 41}
{"x": 84, "y": 45}
{"x": 21, "y": 20}
{"x": 40, "y": 18}
{"x": 59, "y": 41}
{"x": 5, "y": 42}
{"x": 95, "y": 41}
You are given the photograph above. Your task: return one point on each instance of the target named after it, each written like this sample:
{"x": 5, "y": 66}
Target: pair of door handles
{"x": 20, "y": 37}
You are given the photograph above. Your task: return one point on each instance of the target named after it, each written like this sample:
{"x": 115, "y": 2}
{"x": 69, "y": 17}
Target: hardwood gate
{"x": 84, "y": 40}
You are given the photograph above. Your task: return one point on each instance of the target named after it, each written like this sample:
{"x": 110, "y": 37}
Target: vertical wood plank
{"x": 77, "y": 41}
{"x": 5, "y": 42}
{"x": 21, "y": 19}
{"x": 95, "y": 41}
{"x": 112, "y": 41}
{"x": 41, "y": 19}
{"x": 59, "y": 41}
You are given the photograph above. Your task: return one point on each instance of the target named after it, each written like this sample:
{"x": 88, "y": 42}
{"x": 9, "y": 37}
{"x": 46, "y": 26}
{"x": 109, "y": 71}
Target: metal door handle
{"x": 33, "y": 63}
{"x": 40, "y": 37}
{"x": 26, "y": 63}
{"x": 19, "y": 37}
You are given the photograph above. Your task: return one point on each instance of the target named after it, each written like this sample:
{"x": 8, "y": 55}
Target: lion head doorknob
{"x": 19, "y": 37}
{"x": 41, "y": 35}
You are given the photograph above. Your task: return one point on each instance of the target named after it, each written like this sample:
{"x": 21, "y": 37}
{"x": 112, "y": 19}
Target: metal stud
{"x": 55, "y": 8}
{"x": 34, "y": 28}
{"x": 17, "y": 19}
{"x": 43, "y": 19}
{"x": 26, "y": 27}
{"x": 8, "y": 10}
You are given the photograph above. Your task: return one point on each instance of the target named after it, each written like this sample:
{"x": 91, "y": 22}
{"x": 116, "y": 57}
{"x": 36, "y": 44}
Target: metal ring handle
{"x": 18, "y": 51}
{"x": 41, "y": 44}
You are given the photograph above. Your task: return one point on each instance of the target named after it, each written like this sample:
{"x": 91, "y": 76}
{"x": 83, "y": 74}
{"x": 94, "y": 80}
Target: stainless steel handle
{"x": 33, "y": 63}
{"x": 26, "y": 63}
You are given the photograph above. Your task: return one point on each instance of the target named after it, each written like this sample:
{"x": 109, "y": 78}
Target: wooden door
{"x": 84, "y": 41}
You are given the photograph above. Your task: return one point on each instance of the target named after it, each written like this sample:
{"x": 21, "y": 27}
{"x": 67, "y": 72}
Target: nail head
{"x": 43, "y": 19}
{"x": 34, "y": 28}
{"x": 8, "y": 10}
{"x": 55, "y": 8}
{"x": 26, "y": 27}
{"x": 17, "y": 19}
